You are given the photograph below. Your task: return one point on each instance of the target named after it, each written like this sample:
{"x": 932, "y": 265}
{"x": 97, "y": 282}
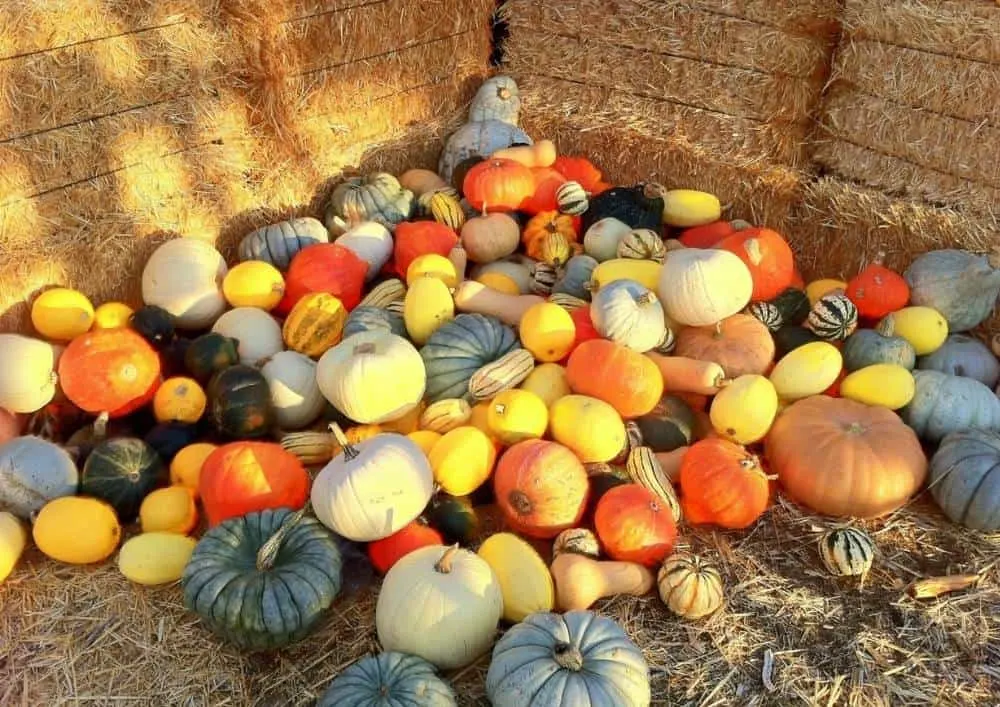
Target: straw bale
{"x": 817, "y": 17}
{"x": 671, "y": 27}
{"x": 944, "y": 84}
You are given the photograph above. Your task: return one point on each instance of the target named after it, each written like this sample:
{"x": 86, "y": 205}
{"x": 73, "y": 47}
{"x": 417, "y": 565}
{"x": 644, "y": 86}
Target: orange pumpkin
{"x": 722, "y": 484}
{"x": 541, "y": 488}
{"x": 706, "y": 236}
{"x": 109, "y": 370}
{"x": 415, "y": 238}
{"x": 877, "y": 291}
{"x": 547, "y": 182}
{"x": 585, "y": 330}
{"x": 388, "y": 551}
{"x": 634, "y": 525}
{"x": 544, "y": 224}
{"x": 621, "y": 377}
{"x": 740, "y": 344}
{"x": 242, "y": 477}
{"x": 768, "y": 257}
{"x": 498, "y": 185}
{"x": 844, "y": 458}
{"x": 324, "y": 267}
{"x": 581, "y": 170}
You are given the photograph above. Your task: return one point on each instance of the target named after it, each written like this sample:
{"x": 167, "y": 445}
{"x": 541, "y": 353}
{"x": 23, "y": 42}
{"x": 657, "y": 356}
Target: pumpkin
{"x": 576, "y": 277}
{"x": 701, "y": 287}
{"x": 847, "y": 552}
{"x": 571, "y": 198}
{"x": 241, "y": 477}
{"x": 962, "y": 355}
{"x": 258, "y": 333}
{"x": 642, "y": 244}
{"x": 278, "y": 243}
{"x": 185, "y": 467}
{"x": 489, "y": 237}
{"x": 627, "y": 380}
{"x": 962, "y": 286}
{"x": 122, "y": 471}
{"x": 808, "y": 370}
{"x": 34, "y": 471}
{"x": 744, "y": 410}
{"x": 354, "y": 497}
{"x": 707, "y": 235}
{"x": 109, "y": 370}
{"x": 516, "y": 415}
{"x": 498, "y": 185}
{"x": 458, "y": 349}
{"x": 421, "y": 181}
{"x": 497, "y": 98}
{"x": 548, "y": 382}
{"x": 184, "y": 276}
{"x": 547, "y": 223}
{"x": 867, "y": 347}
{"x": 455, "y": 517}
{"x": 833, "y": 317}
{"x": 112, "y": 315}
{"x": 377, "y": 197}
{"x": 602, "y": 240}
{"x": 450, "y": 590}
{"x": 292, "y": 562}
{"x": 369, "y": 318}
{"x": 739, "y": 343}
{"x": 13, "y": 539}
{"x": 634, "y": 525}
{"x": 209, "y": 354}
{"x": 420, "y": 238}
{"x": 541, "y": 488}
{"x": 390, "y": 678}
{"x": 883, "y": 384}
{"x": 462, "y": 460}
{"x": 690, "y": 586}
{"x": 525, "y": 582}
{"x": 386, "y": 552}
{"x": 579, "y": 541}
{"x": 943, "y": 404}
{"x": 793, "y": 305}
{"x": 577, "y": 659}
{"x": 27, "y": 373}
{"x": 669, "y": 425}
{"x": 475, "y": 140}
{"x": 581, "y": 170}
{"x": 767, "y": 256}
{"x": 240, "y": 404}
{"x": 76, "y": 530}
{"x": 370, "y": 241}
{"x": 329, "y": 268}
{"x": 169, "y": 510}
{"x": 547, "y": 183}
{"x": 295, "y": 394}
{"x": 62, "y": 314}
{"x": 965, "y": 478}
{"x": 155, "y": 325}
{"x": 640, "y": 206}
{"x": 722, "y": 484}
{"x": 628, "y": 314}
{"x": 876, "y": 290}
{"x": 843, "y": 458}
{"x": 179, "y": 400}
{"x": 154, "y": 558}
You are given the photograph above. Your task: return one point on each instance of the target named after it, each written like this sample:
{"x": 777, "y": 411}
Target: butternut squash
{"x": 472, "y": 296}
{"x": 670, "y": 462}
{"x": 459, "y": 258}
{"x": 688, "y": 375}
{"x": 541, "y": 154}
{"x": 580, "y": 581}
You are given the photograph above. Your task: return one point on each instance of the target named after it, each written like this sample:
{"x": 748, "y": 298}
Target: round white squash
{"x": 370, "y": 241}
{"x": 372, "y": 377}
{"x": 699, "y": 286}
{"x": 374, "y": 488}
{"x": 258, "y": 333}
{"x": 601, "y": 240}
{"x": 294, "y": 391}
{"x": 184, "y": 276}
{"x": 27, "y": 373}
{"x": 442, "y": 604}
{"x": 33, "y": 471}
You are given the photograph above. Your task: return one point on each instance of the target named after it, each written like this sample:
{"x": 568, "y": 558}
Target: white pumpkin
{"x": 372, "y": 377}
{"x": 370, "y": 241}
{"x": 442, "y": 604}
{"x": 258, "y": 333}
{"x": 33, "y": 471}
{"x": 184, "y": 276}
{"x": 374, "y": 488}
{"x": 27, "y": 373}
{"x": 700, "y": 286}
{"x": 294, "y": 392}
{"x": 601, "y": 240}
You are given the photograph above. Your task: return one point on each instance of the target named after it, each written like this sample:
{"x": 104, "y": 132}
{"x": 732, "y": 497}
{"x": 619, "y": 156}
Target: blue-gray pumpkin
{"x": 279, "y": 242}
{"x": 965, "y": 478}
{"x": 478, "y": 138}
{"x": 376, "y": 197}
{"x": 389, "y": 679}
{"x": 461, "y": 347}
{"x": 943, "y": 404}
{"x": 962, "y": 286}
{"x": 867, "y": 347}
{"x": 577, "y": 274}
{"x": 965, "y": 356}
{"x": 369, "y": 318}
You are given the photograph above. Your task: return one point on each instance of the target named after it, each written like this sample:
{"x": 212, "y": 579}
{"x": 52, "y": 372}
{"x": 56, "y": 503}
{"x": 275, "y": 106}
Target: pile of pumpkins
{"x": 603, "y": 364}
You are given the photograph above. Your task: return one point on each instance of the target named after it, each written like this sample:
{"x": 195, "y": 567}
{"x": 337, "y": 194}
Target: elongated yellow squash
{"x": 13, "y": 538}
{"x": 807, "y": 370}
{"x": 524, "y": 579}
{"x": 155, "y": 558}
{"x": 744, "y": 410}
{"x": 427, "y": 306}
{"x": 645, "y": 272}
{"x": 883, "y": 384}
{"x": 924, "y": 327}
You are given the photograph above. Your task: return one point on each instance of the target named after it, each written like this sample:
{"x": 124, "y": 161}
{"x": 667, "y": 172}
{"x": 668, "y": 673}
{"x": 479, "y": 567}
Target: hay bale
{"x": 817, "y": 17}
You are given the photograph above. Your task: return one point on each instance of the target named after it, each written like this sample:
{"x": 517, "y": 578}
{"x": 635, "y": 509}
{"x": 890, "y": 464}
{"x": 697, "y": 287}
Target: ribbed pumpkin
{"x": 960, "y": 285}
{"x": 548, "y": 182}
{"x": 634, "y": 525}
{"x": 295, "y": 395}
{"x": 458, "y": 349}
{"x": 965, "y": 356}
{"x": 241, "y": 477}
{"x": 965, "y": 478}
{"x": 315, "y": 324}
{"x": 943, "y": 404}
{"x": 700, "y": 287}
{"x": 628, "y": 314}
{"x": 689, "y": 586}
{"x": 389, "y": 550}
{"x": 768, "y": 257}
{"x": 581, "y": 170}
{"x": 122, "y": 471}
{"x": 240, "y": 404}
{"x": 326, "y": 267}
{"x": 740, "y": 344}
{"x": 867, "y": 347}
{"x": 368, "y": 318}
{"x": 722, "y": 484}
{"x": 391, "y": 678}
{"x": 833, "y": 318}
{"x": 498, "y": 185}
{"x": 627, "y": 380}
{"x": 278, "y": 243}
{"x": 413, "y": 239}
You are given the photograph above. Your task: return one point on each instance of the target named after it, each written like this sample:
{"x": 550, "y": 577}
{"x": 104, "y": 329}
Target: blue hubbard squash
{"x": 456, "y": 350}
{"x": 965, "y": 356}
{"x": 965, "y": 479}
{"x": 944, "y": 404}
{"x": 368, "y": 318}
{"x": 122, "y": 471}
{"x": 962, "y": 286}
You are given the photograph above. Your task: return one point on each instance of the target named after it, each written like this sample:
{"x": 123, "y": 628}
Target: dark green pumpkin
{"x": 461, "y": 347}
{"x": 454, "y": 517}
{"x": 209, "y": 354}
{"x": 866, "y": 347}
{"x": 789, "y": 338}
{"x": 168, "y": 438}
{"x": 793, "y": 306}
{"x": 239, "y": 403}
{"x": 122, "y": 471}
{"x": 155, "y": 325}
{"x": 258, "y": 597}
{"x": 668, "y": 426}
{"x": 638, "y": 206}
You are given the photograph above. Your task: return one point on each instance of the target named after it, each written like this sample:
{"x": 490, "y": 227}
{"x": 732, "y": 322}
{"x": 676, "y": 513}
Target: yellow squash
{"x": 645, "y": 272}
{"x": 77, "y": 530}
{"x": 427, "y": 306}
{"x": 169, "y": 510}
{"x": 254, "y": 284}
{"x": 744, "y": 410}
{"x": 155, "y": 558}
{"x": 425, "y": 439}
{"x": 13, "y": 538}
{"x": 685, "y": 208}
{"x": 434, "y": 266}
{"x": 185, "y": 469}
{"x": 807, "y": 370}
{"x": 62, "y": 314}
{"x": 547, "y": 331}
{"x": 816, "y": 289}
{"x": 525, "y": 581}
{"x": 462, "y": 460}
{"x": 315, "y": 325}
{"x": 882, "y": 384}
{"x": 499, "y": 282}
{"x": 179, "y": 400}
{"x": 592, "y": 428}
{"x": 924, "y": 327}
{"x": 548, "y": 382}
{"x": 516, "y": 415}
{"x": 112, "y": 315}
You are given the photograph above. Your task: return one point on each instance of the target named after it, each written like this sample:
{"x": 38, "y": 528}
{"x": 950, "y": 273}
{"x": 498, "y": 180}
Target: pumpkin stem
{"x": 350, "y": 451}
{"x": 101, "y": 426}
{"x": 646, "y": 298}
{"x": 739, "y": 224}
{"x": 503, "y": 93}
{"x": 879, "y": 258}
{"x": 268, "y": 552}
{"x": 444, "y": 564}
{"x": 721, "y": 381}
{"x": 718, "y": 330}
{"x": 520, "y": 502}
{"x": 568, "y": 656}
{"x": 752, "y": 247}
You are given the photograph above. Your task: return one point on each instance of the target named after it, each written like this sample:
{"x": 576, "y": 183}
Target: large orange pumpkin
{"x": 582, "y": 171}
{"x": 740, "y": 344}
{"x": 541, "y": 488}
{"x": 415, "y": 238}
{"x": 388, "y": 551}
{"x": 621, "y": 377}
{"x": 109, "y": 370}
{"x": 844, "y": 458}
{"x": 634, "y": 525}
{"x": 547, "y": 182}
{"x": 768, "y": 257}
{"x": 498, "y": 185}
{"x": 324, "y": 267}
{"x": 722, "y": 484}
{"x": 242, "y": 477}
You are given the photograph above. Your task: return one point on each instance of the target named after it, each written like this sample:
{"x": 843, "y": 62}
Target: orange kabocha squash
{"x": 416, "y": 238}
{"x": 583, "y": 172}
{"x": 634, "y": 525}
{"x": 706, "y": 236}
{"x": 498, "y": 185}
{"x": 723, "y": 484}
{"x": 388, "y": 551}
{"x": 627, "y": 380}
{"x": 877, "y": 291}
{"x": 768, "y": 257}
{"x": 547, "y": 183}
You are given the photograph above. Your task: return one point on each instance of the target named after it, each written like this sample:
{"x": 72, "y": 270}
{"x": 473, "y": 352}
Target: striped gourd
{"x": 634, "y": 435}
{"x": 506, "y": 372}
{"x": 643, "y": 468}
{"x": 397, "y": 307}
{"x": 767, "y": 314}
{"x": 833, "y": 317}
{"x": 554, "y": 249}
{"x": 572, "y": 199}
{"x": 577, "y": 541}
{"x": 445, "y": 415}
{"x": 311, "y": 448}
{"x": 690, "y": 586}
{"x": 315, "y": 325}
{"x": 544, "y": 278}
{"x": 642, "y": 244}
{"x": 847, "y": 552}
{"x": 568, "y": 302}
{"x": 443, "y": 205}
{"x": 384, "y": 293}
{"x": 667, "y": 343}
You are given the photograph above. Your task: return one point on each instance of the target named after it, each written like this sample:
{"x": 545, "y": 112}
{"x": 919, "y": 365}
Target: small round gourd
{"x": 240, "y": 403}
{"x": 61, "y": 314}
{"x": 179, "y": 400}
{"x": 390, "y": 678}
{"x": 833, "y": 318}
{"x": 258, "y": 333}
{"x": 576, "y": 277}
{"x": 34, "y": 471}
{"x": 690, "y": 586}
{"x": 170, "y": 509}
{"x": 847, "y": 552}
{"x": 571, "y": 198}
{"x": 112, "y": 315}
{"x": 295, "y": 393}
{"x": 628, "y": 314}
{"x": 965, "y": 478}
{"x": 184, "y": 276}
{"x": 602, "y": 239}
{"x": 154, "y": 324}
{"x": 576, "y": 540}
{"x": 27, "y": 373}
{"x": 279, "y": 242}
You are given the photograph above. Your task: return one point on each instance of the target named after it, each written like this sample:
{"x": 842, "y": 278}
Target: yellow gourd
{"x": 179, "y": 400}
{"x": 77, "y": 530}
{"x": 428, "y": 305}
{"x": 592, "y": 428}
{"x": 425, "y": 439}
{"x": 580, "y": 581}
{"x": 499, "y": 282}
{"x": 13, "y": 538}
{"x": 744, "y": 410}
{"x": 685, "y": 208}
{"x": 516, "y": 415}
{"x": 547, "y": 331}
{"x": 924, "y": 327}
{"x": 155, "y": 558}
{"x": 816, "y": 289}
{"x": 169, "y": 510}
{"x": 112, "y": 315}
{"x": 524, "y": 579}
{"x": 434, "y": 266}
{"x": 185, "y": 469}
{"x": 62, "y": 314}
{"x": 548, "y": 382}
{"x": 254, "y": 284}
{"x": 808, "y": 370}
{"x": 462, "y": 460}
{"x": 645, "y": 272}
{"x": 883, "y": 384}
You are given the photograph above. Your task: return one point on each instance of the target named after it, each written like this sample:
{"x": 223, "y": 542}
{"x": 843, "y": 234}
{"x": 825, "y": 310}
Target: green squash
{"x": 376, "y": 197}
{"x": 943, "y": 404}
{"x": 965, "y": 479}
{"x": 460, "y": 348}
{"x": 867, "y": 347}
{"x": 155, "y": 325}
{"x": 669, "y": 425}
{"x": 239, "y": 403}
{"x": 122, "y": 471}
{"x": 263, "y": 580}
{"x": 454, "y": 517}
{"x": 960, "y": 285}
{"x": 789, "y": 338}
{"x": 390, "y": 678}
{"x": 793, "y": 306}
{"x": 209, "y": 354}
{"x": 369, "y": 318}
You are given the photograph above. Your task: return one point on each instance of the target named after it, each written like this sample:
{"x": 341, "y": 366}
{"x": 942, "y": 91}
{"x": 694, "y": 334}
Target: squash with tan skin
{"x": 489, "y": 237}
{"x": 541, "y": 154}
{"x": 740, "y": 344}
{"x": 475, "y": 297}
{"x": 581, "y": 581}
{"x": 688, "y": 375}
{"x": 671, "y": 462}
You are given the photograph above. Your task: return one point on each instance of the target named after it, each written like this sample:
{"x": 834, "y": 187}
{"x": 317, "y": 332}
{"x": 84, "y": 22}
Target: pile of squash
{"x": 603, "y": 364}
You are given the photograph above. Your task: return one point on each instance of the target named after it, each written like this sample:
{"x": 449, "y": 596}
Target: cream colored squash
{"x": 601, "y": 240}
{"x": 524, "y": 579}
{"x": 744, "y": 410}
{"x": 442, "y": 604}
{"x": 258, "y": 333}
{"x": 548, "y": 382}
{"x": 700, "y": 286}
{"x": 427, "y": 306}
{"x": 807, "y": 370}
{"x": 370, "y": 241}
{"x": 372, "y": 377}
{"x": 296, "y": 395}
{"x": 885, "y": 385}
{"x": 13, "y": 538}
{"x": 184, "y": 276}
{"x": 155, "y": 558}
{"x": 27, "y": 373}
